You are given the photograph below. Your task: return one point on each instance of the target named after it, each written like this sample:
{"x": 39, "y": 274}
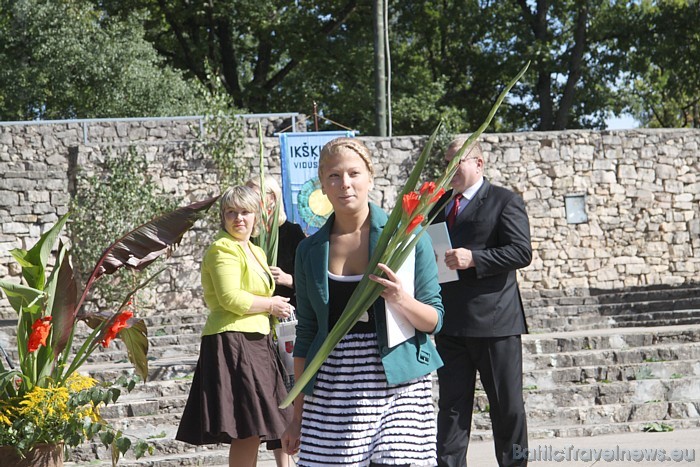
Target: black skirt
{"x": 236, "y": 391}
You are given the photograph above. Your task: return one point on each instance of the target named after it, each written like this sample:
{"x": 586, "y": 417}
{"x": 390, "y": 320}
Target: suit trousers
{"x": 500, "y": 365}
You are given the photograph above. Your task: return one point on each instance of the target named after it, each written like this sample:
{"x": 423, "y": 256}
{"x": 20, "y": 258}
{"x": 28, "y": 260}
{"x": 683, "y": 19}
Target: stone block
{"x": 685, "y": 410}
{"x": 602, "y": 176}
{"x": 8, "y": 198}
{"x": 14, "y": 228}
{"x": 666, "y": 172}
{"x": 649, "y": 411}
{"x": 38, "y": 196}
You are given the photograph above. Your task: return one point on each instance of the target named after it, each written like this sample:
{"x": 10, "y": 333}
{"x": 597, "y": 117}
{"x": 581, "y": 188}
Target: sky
{"x": 623, "y": 122}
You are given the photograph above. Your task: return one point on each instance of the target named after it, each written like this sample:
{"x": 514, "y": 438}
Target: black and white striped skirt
{"x": 354, "y": 416}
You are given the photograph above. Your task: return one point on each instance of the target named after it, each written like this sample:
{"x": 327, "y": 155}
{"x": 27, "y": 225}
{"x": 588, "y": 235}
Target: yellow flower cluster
{"x": 46, "y": 406}
{"x": 7, "y": 412}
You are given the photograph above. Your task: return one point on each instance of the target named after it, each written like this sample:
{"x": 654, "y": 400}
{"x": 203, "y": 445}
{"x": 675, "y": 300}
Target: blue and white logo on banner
{"x": 301, "y": 189}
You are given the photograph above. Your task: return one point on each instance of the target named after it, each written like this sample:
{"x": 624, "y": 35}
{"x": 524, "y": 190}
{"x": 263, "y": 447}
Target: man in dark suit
{"x": 484, "y": 317}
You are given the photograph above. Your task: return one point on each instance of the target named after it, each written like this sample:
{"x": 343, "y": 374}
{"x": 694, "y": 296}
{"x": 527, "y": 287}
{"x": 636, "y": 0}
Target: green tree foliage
{"x": 449, "y": 60}
{"x": 662, "y": 40}
{"x": 67, "y": 59}
{"x": 471, "y": 47}
{"x": 270, "y": 54}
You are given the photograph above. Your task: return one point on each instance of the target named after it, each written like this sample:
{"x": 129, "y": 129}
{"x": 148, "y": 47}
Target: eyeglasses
{"x": 467, "y": 158}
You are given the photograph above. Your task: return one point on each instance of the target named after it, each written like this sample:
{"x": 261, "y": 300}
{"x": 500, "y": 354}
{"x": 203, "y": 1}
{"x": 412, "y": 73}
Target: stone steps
{"x": 581, "y": 431}
{"x": 641, "y": 354}
{"x": 592, "y": 394}
{"x": 558, "y": 297}
{"x": 603, "y": 414}
{"x": 644, "y": 307}
{"x": 576, "y": 383}
{"x": 611, "y": 338}
{"x": 555, "y": 377}
{"x": 605, "y": 375}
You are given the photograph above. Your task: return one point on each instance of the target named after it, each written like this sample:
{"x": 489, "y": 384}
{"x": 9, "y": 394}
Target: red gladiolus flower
{"x": 40, "y": 331}
{"x": 428, "y": 187}
{"x": 437, "y": 196}
{"x": 116, "y": 327}
{"x": 410, "y": 202}
{"x": 414, "y": 223}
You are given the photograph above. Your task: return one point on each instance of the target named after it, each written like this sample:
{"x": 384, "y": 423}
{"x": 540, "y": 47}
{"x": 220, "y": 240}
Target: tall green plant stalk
{"x": 269, "y": 228}
{"x": 397, "y": 231}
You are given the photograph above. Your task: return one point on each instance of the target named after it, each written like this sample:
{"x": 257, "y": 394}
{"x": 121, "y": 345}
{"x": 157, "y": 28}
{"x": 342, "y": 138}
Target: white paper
{"x": 441, "y": 243}
{"x": 398, "y": 328}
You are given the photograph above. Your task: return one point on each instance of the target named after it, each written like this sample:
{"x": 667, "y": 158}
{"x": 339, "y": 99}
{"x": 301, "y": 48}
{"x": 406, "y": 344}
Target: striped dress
{"x": 354, "y": 416}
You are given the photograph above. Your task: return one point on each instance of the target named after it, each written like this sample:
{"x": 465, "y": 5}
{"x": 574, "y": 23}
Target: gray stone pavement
{"x": 631, "y": 449}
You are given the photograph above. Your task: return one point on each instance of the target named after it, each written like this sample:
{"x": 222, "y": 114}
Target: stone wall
{"x": 641, "y": 187}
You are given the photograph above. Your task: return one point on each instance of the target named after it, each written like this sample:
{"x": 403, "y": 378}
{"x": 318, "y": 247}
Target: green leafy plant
{"x": 69, "y": 413}
{"x": 44, "y": 382}
{"x": 656, "y": 427}
{"x": 396, "y": 240}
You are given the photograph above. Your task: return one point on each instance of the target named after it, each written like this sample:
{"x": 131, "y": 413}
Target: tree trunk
{"x": 379, "y": 68}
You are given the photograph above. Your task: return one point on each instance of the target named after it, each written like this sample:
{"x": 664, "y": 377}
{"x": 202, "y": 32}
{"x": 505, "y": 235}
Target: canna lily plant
{"x": 396, "y": 240}
{"x": 43, "y": 398}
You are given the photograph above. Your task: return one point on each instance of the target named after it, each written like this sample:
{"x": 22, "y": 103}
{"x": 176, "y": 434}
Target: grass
{"x": 643, "y": 373}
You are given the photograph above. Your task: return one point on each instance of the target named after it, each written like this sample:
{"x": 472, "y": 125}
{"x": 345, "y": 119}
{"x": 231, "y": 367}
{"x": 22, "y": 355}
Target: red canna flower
{"x": 116, "y": 327}
{"x": 40, "y": 331}
{"x": 437, "y": 196}
{"x": 414, "y": 223}
{"x": 410, "y": 202}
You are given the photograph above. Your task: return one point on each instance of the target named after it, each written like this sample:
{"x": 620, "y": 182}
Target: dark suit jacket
{"x": 411, "y": 359}
{"x": 485, "y": 301}
{"x": 290, "y": 235}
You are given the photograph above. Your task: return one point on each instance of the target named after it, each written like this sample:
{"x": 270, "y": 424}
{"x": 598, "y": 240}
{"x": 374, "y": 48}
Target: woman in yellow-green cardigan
{"x": 237, "y": 386}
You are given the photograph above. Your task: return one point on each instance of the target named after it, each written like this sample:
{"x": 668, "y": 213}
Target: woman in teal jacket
{"x": 369, "y": 404}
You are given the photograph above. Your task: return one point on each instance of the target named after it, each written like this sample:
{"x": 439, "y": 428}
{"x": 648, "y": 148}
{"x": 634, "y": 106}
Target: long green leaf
{"x": 63, "y": 309}
{"x": 21, "y": 297}
{"x": 34, "y": 261}
{"x": 135, "y": 339}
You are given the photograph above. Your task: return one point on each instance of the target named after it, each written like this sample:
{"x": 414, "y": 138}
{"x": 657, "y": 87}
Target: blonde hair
{"x": 240, "y": 197}
{"x": 272, "y": 188}
{"x": 473, "y": 151}
{"x": 333, "y": 147}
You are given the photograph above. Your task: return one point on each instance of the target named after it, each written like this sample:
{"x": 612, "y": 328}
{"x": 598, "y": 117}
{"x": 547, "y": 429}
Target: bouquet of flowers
{"x": 43, "y": 399}
{"x": 396, "y": 241}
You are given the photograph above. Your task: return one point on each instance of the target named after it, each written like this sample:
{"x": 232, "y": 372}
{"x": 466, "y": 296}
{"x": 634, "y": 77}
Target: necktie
{"x": 452, "y": 215}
